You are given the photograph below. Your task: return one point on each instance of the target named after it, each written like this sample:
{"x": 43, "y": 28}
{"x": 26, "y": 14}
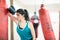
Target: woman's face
{"x": 19, "y": 16}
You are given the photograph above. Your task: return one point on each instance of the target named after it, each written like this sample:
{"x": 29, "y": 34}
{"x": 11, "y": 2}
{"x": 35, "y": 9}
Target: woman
{"x": 24, "y": 27}
{"x": 35, "y": 22}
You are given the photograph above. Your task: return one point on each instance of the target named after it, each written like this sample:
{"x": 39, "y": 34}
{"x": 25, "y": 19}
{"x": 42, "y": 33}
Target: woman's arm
{"x": 13, "y": 18}
{"x": 32, "y": 30}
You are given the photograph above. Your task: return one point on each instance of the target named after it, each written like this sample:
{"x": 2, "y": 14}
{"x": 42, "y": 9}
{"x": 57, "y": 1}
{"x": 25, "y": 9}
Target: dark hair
{"x": 23, "y": 12}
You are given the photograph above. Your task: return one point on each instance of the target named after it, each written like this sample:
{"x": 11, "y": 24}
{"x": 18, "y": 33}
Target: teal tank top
{"x": 25, "y": 33}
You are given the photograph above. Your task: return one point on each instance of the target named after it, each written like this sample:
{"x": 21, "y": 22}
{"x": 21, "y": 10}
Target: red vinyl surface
{"x": 46, "y": 24}
{"x": 3, "y": 21}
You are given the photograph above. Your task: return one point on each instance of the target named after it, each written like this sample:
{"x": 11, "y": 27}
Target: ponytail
{"x": 26, "y": 15}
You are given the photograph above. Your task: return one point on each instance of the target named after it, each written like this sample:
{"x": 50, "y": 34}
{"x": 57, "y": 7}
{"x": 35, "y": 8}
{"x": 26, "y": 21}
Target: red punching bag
{"x": 3, "y": 21}
{"x": 46, "y": 24}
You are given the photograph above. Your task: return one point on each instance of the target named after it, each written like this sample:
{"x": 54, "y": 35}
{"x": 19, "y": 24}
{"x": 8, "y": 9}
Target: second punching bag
{"x": 3, "y": 20}
{"x": 46, "y": 24}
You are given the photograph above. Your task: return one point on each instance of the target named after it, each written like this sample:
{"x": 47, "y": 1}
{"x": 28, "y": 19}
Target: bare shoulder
{"x": 30, "y": 25}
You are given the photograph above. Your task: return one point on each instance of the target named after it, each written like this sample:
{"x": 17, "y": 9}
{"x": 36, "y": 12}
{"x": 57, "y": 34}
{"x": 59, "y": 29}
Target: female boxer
{"x": 24, "y": 27}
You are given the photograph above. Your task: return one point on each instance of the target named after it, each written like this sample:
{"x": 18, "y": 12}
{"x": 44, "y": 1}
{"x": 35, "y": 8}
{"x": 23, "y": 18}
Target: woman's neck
{"x": 22, "y": 23}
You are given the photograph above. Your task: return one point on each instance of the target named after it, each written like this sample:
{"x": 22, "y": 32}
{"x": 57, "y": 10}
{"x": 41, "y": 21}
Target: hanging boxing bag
{"x": 46, "y": 24}
{"x": 3, "y": 20}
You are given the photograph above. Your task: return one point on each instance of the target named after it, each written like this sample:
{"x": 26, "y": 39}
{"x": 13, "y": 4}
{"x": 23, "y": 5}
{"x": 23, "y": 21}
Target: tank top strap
{"x": 26, "y": 21}
{"x": 27, "y": 24}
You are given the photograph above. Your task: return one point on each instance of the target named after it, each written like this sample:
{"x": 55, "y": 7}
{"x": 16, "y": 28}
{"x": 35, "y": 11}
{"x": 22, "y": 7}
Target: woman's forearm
{"x": 12, "y": 17}
{"x": 32, "y": 31}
